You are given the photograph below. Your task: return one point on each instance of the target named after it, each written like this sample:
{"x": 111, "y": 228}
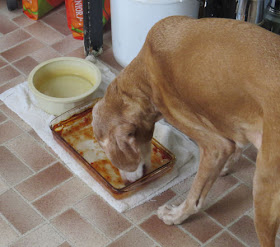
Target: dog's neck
{"x": 136, "y": 102}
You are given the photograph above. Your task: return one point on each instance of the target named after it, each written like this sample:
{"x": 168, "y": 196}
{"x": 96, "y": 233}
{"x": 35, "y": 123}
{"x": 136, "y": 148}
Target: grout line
{"x": 51, "y": 190}
{"x": 10, "y": 224}
{"x": 15, "y": 45}
{"x": 221, "y": 196}
{"x": 94, "y": 226}
{"x": 242, "y": 182}
{"x": 154, "y": 212}
{"x": 246, "y": 157}
{"x": 5, "y": 144}
{"x": 234, "y": 236}
{"x": 9, "y": 81}
{"x": 238, "y": 218}
{"x": 226, "y": 228}
{"x": 74, "y": 206}
{"x": 214, "y": 237}
{"x": 33, "y": 208}
{"x": 189, "y": 234}
{"x": 146, "y": 234}
{"x": 14, "y": 121}
{"x": 43, "y": 145}
{"x": 3, "y": 122}
{"x": 66, "y": 208}
{"x": 51, "y": 27}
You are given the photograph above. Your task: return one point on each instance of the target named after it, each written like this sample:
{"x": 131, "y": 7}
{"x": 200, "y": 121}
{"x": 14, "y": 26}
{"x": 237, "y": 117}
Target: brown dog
{"x": 216, "y": 80}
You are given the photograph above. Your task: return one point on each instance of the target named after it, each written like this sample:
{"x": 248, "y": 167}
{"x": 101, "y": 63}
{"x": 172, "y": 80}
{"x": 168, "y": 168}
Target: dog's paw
{"x": 170, "y": 214}
{"x": 226, "y": 171}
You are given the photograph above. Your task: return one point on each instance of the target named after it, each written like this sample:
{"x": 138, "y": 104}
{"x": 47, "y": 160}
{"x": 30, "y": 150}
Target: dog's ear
{"x": 126, "y": 138}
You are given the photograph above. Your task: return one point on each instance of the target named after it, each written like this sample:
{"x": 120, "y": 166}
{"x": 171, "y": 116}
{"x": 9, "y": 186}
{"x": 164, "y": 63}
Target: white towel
{"x": 20, "y": 100}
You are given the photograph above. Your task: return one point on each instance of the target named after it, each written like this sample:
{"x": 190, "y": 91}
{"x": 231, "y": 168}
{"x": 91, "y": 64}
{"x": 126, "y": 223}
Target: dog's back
{"x": 209, "y": 62}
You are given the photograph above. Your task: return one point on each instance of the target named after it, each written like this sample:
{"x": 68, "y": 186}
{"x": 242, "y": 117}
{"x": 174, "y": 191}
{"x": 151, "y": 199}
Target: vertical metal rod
{"x": 93, "y": 26}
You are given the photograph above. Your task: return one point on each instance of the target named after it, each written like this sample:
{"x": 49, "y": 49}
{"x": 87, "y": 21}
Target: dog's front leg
{"x": 213, "y": 156}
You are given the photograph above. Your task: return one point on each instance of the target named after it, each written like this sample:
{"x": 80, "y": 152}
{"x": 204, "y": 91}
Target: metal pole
{"x": 93, "y": 27}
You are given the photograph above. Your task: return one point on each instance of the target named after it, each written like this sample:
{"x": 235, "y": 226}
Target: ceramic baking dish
{"x": 74, "y": 132}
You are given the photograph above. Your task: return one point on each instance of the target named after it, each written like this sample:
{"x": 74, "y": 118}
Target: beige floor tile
{"x": 44, "y": 236}
{"x": 167, "y": 235}
{"x": 31, "y": 152}
{"x": 232, "y": 206}
{"x": 18, "y": 212}
{"x": 9, "y": 25}
{"x": 3, "y": 186}
{"x": 11, "y": 14}
{"x": 244, "y": 169}
{"x": 142, "y": 211}
{"x": 45, "y": 54}
{"x": 80, "y": 53}
{"x": 2, "y": 117}
{"x": 11, "y": 168}
{"x": 245, "y": 230}
{"x": 8, "y": 234}
{"x": 96, "y": 210}
{"x": 25, "y": 65}
{"x": 62, "y": 197}
{"x": 7, "y": 73}
{"x": 16, "y": 119}
{"x": 58, "y": 22}
{"x": 78, "y": 231}
{"x": 65, "y": 244}
{"x": 251, "y": 152}
{"x": 22, "y": 50}
{"x": 225, "y": 240}
{"x": 107, "y": 38}
{"x": 202, "y": 227}
{"x": 23, "y": 20}
{"x": 46, "y": 147}
{"x": 44, "y": 181}
{"x": 108, "y": 57}
{"x": 12, "y": 39}
{"x": 12, "y": 83}
{"x": 2, "y": 62}
{"x": 135, "y": 238}
{"x": 3, "y": 5}
{"x": 67, "y": 45}
{"x": 44, "y": 33}
{"x": 220, "y": 187}
{"x": 184, "y": 186}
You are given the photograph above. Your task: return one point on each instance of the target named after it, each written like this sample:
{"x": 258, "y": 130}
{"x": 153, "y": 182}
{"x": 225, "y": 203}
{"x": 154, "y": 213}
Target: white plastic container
{"x": 132, "y": 19}
{"x": 63, "y": 83}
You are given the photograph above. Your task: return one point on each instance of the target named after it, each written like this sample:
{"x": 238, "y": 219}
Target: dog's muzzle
{"x": 133, "y": 176}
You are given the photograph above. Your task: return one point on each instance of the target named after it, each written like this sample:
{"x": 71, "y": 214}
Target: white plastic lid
{"x": 162, "y": 1}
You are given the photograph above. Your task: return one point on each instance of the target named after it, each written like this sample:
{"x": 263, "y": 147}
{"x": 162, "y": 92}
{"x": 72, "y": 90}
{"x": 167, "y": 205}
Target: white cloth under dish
{"x": 20, "y": 100}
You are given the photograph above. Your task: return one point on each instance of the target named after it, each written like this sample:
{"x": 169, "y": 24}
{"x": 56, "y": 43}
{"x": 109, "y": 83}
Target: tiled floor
{"x": 43, "y": 204}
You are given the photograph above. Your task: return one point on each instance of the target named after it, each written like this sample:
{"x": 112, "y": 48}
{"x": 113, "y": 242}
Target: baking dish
{"x": 73, "y": 131}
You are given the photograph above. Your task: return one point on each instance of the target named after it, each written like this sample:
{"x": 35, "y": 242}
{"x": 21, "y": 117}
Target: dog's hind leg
{"x": 214, "y": 152}
{"x": 267, "y": 189}
{"x": 231, "y": 161}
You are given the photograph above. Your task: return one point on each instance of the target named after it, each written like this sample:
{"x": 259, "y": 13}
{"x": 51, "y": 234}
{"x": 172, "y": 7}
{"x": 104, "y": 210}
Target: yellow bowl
{"x": 62, "y": 83}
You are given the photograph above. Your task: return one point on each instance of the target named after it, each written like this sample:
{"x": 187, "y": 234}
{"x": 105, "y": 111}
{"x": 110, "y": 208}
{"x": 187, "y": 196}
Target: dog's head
{"x": 124, "y": 136}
